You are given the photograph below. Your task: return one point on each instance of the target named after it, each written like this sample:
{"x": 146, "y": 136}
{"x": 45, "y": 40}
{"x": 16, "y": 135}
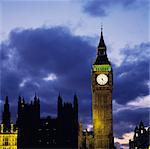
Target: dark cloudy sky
{"x": 48, "y": 47}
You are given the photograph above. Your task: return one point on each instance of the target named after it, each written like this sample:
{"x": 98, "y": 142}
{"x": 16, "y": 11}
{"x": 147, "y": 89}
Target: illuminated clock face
{"x": 102, "y": 79}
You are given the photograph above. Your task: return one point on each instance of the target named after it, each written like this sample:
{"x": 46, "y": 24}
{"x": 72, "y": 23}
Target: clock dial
{"x": 102, "y": 79}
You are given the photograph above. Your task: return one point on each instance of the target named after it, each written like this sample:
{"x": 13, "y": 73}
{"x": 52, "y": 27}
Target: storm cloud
{"x": 52, "y": 60}
{"x": 102, "y": 8}
{"x": 30, "y": 56}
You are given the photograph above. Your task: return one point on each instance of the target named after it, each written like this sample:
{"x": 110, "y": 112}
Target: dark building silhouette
{"x": 36, "y": 132}
{"x": 67, "y": 123}
{"x": 27, "y": 122}
{"x": 47, "y": 133}
{"x": 141, "y": 138}
{"x": 6, "y": 115}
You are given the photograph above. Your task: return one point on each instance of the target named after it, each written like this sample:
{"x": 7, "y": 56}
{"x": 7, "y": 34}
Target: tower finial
{"x": 35, "y": 97}
{"x": 6, "y": 100}
{"x": 101, "y": 28}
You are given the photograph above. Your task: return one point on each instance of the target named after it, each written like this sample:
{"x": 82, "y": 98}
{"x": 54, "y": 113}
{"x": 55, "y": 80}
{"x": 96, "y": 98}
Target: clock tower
{"x": 102, "y": 86}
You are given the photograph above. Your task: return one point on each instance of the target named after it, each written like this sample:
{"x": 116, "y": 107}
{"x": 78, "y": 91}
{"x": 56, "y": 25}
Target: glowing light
{"x": 8, "y": 140}
{"x": 125, "y": 138}
{"x": 89, "y": 127}
{"x": 101, "y": 68}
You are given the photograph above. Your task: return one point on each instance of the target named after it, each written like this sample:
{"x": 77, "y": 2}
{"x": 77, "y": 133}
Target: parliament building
{"x": 141, "y": 138}
{"x": 33, "y": 131}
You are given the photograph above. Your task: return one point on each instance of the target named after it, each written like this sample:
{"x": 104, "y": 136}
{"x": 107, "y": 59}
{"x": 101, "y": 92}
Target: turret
{"x": 6, "y": 114}
{"x": 142, "y": 128}
{"x": 21, "y": 105}
{"x": 75, "y": 102}
{"x": 36, "y": 108}
{"x": 35, "y": 99}
{"x": 141, "y": 125}
{"x": 76, "y": 125}
{"x": 59, "y": 106}
{"x": 36, "y": 103}
{"x": 136, "y": 132}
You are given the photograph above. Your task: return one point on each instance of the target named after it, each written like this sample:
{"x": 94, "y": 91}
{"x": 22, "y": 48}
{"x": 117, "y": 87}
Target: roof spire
{"x": 35, "y": 97}
{"x": 6, "y": 100}
{"x": 101, "y": 29}
{"x": 101, "y": 50}
{"x": 59, "y": 97}
{"x": 101, "y": 46}
{"x": 101, "y": 43}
